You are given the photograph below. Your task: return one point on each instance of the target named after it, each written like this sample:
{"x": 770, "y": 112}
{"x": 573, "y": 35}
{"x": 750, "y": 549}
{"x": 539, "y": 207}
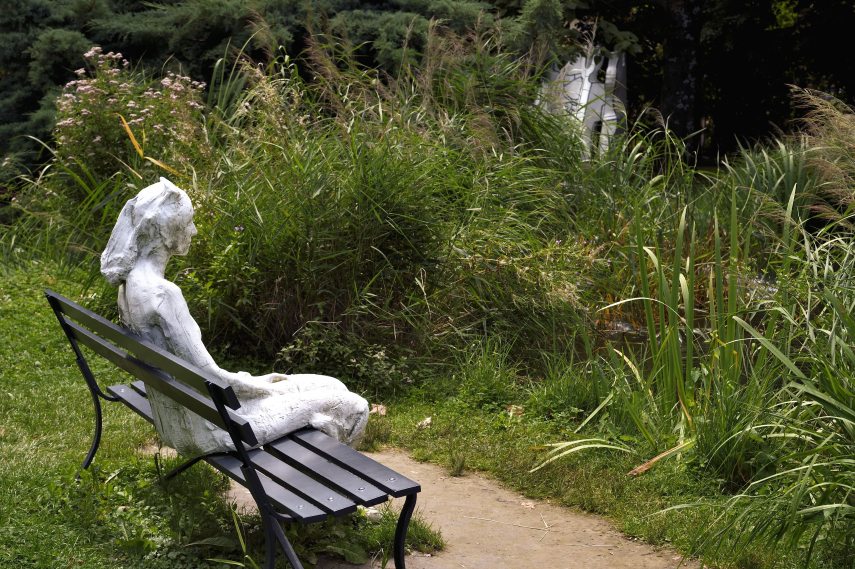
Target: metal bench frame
{"x": 303, "y": 477}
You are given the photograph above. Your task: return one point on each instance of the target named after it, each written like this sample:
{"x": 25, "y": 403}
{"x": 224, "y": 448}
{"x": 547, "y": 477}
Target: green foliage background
{"x": 756, "y": 47}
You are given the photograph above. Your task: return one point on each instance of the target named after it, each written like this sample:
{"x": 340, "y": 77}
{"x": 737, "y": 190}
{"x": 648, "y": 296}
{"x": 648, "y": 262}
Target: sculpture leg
{"x": 608, "y": 130}
{"x": 401, "y": 530}
{"x": 96, "y": 437}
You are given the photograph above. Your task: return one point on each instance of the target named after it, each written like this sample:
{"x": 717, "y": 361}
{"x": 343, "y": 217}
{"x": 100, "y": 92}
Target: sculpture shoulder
{"x": 147, "y": 297}
{"x": 143, "y": 285}
{"x": 155, "y": 308}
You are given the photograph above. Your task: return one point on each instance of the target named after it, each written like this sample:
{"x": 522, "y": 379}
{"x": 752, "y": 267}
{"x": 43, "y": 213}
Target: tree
{"x": 723, "y": 64}
{"x": 41, "y": 44}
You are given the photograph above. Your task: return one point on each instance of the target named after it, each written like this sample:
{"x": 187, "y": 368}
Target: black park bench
{"x": 303, "y": 477}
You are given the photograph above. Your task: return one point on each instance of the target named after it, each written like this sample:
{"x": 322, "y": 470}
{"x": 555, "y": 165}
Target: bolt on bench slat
{"x": 357, "y": 463}
{"x": 357, "y": 489}
{"x": 134, "y": 400}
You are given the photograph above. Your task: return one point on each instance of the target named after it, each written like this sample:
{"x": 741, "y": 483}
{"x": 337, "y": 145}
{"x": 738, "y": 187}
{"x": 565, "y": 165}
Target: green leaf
{"x": 771, "y": 347}
{"x": 351, "y": 552}
{"x": 221, "y": 541}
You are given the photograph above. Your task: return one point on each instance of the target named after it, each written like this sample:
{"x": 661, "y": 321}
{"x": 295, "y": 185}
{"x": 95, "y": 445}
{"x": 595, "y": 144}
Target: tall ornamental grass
{"x": 744, "y": 368}
{"x": 382, "y": 218}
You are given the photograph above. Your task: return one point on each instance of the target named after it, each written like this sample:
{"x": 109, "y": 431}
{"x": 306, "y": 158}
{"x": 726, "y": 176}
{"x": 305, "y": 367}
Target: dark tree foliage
{"x": 754, "y": 50}
{"x": 41, "y": 43}
{"x": 721, "y": 65}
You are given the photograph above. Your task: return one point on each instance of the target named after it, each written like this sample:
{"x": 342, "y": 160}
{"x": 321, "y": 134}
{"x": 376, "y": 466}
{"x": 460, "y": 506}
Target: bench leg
{"x": 272, "y": 534}
{"x": 96, "y": 437}
{"x": 270, "y": 545}
{"x": 272, "y": 529}
{"x": 184, "y": 466}
{"x": 401, "y": 530}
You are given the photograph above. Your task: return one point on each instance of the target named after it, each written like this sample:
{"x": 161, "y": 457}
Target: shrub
{"x": 354, "y": 202}
{"x": 116, "y": 131}
{"x": 110, "y": 114}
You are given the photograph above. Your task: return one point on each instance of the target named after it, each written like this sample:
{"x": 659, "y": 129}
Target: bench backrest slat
{"x": 177, "y": 368}
{"x": 134, "y": 356}
{"x": 150, "y": 375}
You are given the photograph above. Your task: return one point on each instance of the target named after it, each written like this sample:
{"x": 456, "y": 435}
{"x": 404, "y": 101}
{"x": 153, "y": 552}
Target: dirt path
{"x": 486, "y": 526}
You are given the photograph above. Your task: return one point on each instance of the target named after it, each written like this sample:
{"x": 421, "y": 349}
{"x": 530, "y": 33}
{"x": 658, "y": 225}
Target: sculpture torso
{"x": 153, "y": 226}
{"x": 141, "y": 303}
{"x": 155, "y": 309}
{"x": 145, "y": 305}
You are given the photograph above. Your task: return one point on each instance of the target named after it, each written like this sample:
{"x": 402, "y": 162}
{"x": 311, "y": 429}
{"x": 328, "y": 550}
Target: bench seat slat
{"x": 316, "y": 466}
{"x": 171, "y": 364}
{"x": 301, "y": 484}
{"x": 280, "y": 472}
{"x": 357, "y": 463}
{"x": 295, "y": 506}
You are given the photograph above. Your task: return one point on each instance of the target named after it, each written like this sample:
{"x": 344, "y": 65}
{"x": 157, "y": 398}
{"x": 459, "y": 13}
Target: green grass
{"x": 509, "y": 447}
{"x": 121, "y": 515}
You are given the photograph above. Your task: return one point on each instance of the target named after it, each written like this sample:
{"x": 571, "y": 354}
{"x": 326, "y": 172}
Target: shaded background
{"x": 724, "y": 66}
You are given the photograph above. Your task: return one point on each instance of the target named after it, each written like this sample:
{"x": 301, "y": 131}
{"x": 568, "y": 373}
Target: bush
{"x": 111, "y": 114}
{"x": 116, "y": 131}
{"x": 347, "y": 201}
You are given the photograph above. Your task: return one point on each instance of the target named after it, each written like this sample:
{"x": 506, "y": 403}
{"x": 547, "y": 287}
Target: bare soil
{"x": 486, "y": 526}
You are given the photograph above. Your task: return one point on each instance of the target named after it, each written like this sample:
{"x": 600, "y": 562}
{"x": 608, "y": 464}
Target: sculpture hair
{"x": 137, "y": 219}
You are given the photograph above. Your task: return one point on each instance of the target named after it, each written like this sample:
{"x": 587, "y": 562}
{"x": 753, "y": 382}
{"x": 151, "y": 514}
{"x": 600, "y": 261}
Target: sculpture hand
{"x": 274, "y": 377}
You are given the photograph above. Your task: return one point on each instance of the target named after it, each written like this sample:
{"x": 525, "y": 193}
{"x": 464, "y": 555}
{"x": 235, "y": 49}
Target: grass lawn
{"x": 110, "y": 517}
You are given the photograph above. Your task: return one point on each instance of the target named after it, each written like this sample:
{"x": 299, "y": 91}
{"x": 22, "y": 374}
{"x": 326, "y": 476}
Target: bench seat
{"x": 307, "y": 474}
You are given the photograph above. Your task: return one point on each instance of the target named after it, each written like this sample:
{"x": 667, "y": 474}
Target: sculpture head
{"x": 159, "y": 220}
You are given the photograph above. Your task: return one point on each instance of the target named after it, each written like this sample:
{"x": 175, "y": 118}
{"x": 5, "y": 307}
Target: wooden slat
{"x": 189, "y": 398}
{"x": 134, "y": 400}
{"x": 244, "y": 427}
{"x": 295, "y": 506}
{"x": 171, "y": 364}
{"x": 328, "y": 486}
{"x": 357, "y": 489}
{"x": 288, "y": 500}
{"x": 357, "y": 463}
{"x": 323, "y": 497}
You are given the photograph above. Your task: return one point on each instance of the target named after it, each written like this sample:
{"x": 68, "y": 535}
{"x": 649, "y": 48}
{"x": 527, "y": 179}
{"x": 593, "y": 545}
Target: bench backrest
{"x": 198, "y": 391}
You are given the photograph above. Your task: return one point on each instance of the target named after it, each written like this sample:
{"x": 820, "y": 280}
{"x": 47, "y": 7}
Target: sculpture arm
{"x": 184, "y": 338}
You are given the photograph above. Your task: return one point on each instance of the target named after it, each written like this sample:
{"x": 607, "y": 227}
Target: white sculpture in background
{"x": 153, "y": 226}
{"x": 597, "y": 105}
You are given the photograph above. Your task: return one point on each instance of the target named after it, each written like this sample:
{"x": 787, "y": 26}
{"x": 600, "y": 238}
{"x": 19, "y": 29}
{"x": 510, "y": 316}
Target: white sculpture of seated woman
{"x": 153, "y": 226}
